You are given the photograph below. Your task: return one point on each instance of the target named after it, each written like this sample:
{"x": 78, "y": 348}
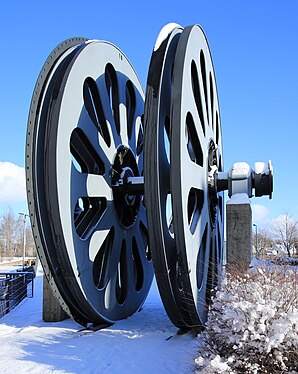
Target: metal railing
{"x": 14, "y": 287}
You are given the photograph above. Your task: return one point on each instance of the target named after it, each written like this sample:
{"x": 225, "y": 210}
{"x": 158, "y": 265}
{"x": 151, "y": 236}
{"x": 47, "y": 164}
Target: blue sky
{"x": 254, "y": 45}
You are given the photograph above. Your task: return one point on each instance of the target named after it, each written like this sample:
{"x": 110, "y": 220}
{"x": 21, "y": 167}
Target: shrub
{"x": 253, "y": 324}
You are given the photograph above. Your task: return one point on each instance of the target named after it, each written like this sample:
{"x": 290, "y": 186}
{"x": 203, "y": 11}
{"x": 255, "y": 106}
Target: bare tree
{"x": 30, "y": 244}
{"x": 18, "y": 236}
{"x": 12, "y": 235}
{"x": 262, "y": 241}
{"x": 285, "y": 231}
{"x": 7, "y": 231}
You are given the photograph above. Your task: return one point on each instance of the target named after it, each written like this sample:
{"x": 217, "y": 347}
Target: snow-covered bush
{"x": 253, "y": 324}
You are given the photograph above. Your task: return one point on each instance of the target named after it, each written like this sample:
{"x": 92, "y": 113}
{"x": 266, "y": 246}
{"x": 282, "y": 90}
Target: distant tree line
{"x": 281, "y": 236}
{"x": 12, "y": 235}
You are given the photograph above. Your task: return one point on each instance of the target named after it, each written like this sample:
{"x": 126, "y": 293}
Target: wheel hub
{"x": 126, "y": 204}
{"x": 212, "y": 181}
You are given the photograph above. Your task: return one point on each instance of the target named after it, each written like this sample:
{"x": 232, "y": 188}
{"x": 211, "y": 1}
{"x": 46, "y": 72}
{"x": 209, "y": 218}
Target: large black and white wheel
{"x": 85, "y": 134}
{"x": 158, "y": 121}
{"x": 196, "y": 158}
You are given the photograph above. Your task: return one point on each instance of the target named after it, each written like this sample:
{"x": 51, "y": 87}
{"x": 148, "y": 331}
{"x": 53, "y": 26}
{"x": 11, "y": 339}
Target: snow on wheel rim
{"x": 94, "y": 133}
{"x": 196, "y": 157}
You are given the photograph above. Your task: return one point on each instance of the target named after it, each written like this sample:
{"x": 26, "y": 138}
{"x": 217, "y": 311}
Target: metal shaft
{"x": 130, "y": 185}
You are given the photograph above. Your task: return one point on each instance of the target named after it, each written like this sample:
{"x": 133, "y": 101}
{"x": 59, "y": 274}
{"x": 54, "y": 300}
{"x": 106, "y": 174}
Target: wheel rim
{"x": 94, "y": 132}
{"x": 196, "y": 157}
{"x": 157, "y": 176}
{"x": 35, "y": 142}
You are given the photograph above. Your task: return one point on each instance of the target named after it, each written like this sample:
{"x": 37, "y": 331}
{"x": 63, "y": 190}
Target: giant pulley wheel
{"x": 183, "y": 134}
{"x": 115, "y": 184}
{"x": 85, "y": 134}
{"x": 197, "y": 154}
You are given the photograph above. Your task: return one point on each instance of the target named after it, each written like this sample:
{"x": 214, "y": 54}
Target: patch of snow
{"x": 239, "y": 198}
{"x": 9, "y": 268}
{"x": 255, "y": 263}
{"x": 91, "y": 41}
{"x": 263, "y": 167}
{"x": 240, "y": 170}
{"x": 163, "y": 34}
{"x": 146, "y": 342}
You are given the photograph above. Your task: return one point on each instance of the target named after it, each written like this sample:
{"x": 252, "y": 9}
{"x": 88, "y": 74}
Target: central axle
{"x": 239, "y": 179}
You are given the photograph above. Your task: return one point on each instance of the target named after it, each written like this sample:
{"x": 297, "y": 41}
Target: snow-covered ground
{"x": 9, "y": 268}
{"x": 145, "y": 343}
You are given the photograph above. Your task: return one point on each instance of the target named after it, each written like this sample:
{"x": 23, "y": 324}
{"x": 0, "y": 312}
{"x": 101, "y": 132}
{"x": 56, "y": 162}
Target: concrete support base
{"x": 51, "y": 308}
{"x": 239, "y": 232}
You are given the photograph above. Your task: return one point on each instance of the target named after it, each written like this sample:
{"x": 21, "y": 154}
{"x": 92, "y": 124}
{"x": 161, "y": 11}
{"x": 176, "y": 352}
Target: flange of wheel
{"x": 158, "y": 122}
{"x": 93, "y": 136}
{"x": 196, "y": 157}
{"x": 35, "y": 141}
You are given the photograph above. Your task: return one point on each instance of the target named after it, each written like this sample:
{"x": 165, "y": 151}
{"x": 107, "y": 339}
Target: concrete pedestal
{"x": 239, "y": 232}
{"x": 51, "y": 308}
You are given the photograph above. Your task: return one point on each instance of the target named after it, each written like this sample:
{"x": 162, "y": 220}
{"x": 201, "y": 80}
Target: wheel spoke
{"x": 209, "y": 242}
{"x": 108, "y": 112}
{"x": 123, "y": 110}
{"x": 204, "y": 87}
{"x": 195, "y": 176}
{"x": 200, "y": 131}
{"x": 196, "y": 106}
{"x": 96, "y": 241}
{"x": 97, "y": 185}
{"x": 141, "y": 245}
{"x": 105, "y": 153}
{"x": 119, "y": 237}
{"x": 78, "y": 185}
{"x": 202, "y": 224}
{"x": 88, "y": 185}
